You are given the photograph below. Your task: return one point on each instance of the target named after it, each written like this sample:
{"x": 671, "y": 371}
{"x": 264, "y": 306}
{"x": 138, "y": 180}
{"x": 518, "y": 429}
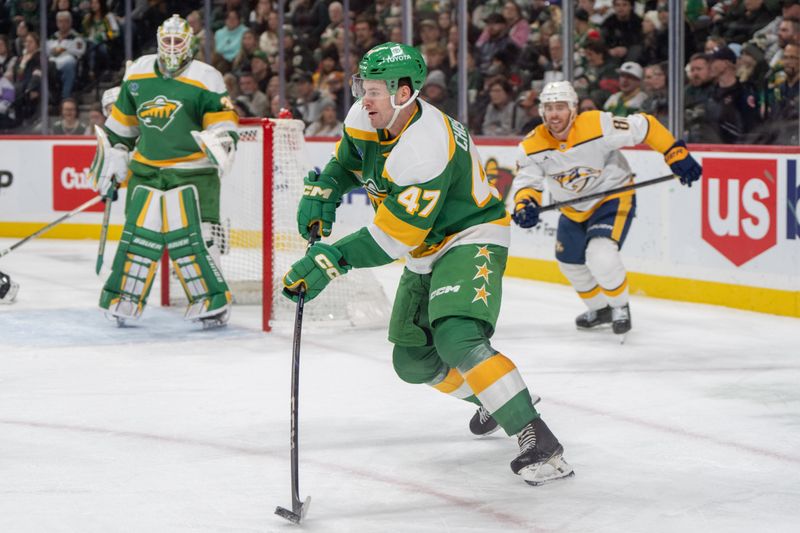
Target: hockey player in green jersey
{"x": 171, "y": 133}
{"x": 435, "y": 207}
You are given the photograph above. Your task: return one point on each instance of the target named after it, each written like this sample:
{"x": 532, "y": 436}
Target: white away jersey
{"x": 589, "y": 161}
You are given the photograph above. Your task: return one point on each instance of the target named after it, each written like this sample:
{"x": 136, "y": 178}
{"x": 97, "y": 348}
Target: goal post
{"x": 258, "y": 234}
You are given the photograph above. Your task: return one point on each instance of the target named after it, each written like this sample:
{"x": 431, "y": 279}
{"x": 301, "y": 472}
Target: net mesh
{"x": 356, "y": 300}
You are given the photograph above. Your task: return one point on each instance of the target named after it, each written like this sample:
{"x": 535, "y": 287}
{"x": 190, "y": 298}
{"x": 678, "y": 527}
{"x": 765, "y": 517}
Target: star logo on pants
{"x": 483, "y": 272}
{"x": 482, "y": 294}
{"x": 483, "y": 251}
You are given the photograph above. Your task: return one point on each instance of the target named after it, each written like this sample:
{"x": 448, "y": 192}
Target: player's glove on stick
{"x": 321, "y": 197}
{"x": 526, "y": 209}
{"x": 322, "y": 263}
{"x": 682, "y": 163}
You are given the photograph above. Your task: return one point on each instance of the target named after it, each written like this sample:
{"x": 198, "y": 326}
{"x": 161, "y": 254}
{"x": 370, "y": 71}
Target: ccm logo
{"x": 740, "y": 200}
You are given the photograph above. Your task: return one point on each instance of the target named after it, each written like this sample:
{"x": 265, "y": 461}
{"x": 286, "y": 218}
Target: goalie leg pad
{"x": 200, "y": 276}
{"x": 136, "y": 261}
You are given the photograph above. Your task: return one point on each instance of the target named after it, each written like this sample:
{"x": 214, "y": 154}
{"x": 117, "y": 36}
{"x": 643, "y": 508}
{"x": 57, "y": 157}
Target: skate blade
{"x": 214, "y": 323}
{"x": 604, "y": 325}
{"x": 553, "y": 469}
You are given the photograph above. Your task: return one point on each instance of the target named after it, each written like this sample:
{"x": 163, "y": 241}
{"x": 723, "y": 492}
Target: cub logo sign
{"x": 71, "y": 187}
{"x": 740, "y": 207}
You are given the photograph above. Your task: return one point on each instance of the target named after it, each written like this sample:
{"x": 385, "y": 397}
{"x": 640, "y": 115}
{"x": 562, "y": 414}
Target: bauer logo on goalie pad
{"x": 159, "y": 112}
{"x": 315, "y": 190}
{"x": 444, "y": 290}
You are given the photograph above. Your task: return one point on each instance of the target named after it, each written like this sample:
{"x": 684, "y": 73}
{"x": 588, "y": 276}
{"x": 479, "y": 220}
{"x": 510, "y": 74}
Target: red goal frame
{"x": 267, "y": 169}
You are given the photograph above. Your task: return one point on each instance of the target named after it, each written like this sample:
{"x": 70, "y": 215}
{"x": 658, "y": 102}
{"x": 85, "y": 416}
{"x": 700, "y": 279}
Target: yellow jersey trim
{"x": 167, "y": 162}
{"x": 219, "y": 116}
{"x": 126, "y": 120}
{"x": 398, "y": 229}
{"x": 362, "y": 135}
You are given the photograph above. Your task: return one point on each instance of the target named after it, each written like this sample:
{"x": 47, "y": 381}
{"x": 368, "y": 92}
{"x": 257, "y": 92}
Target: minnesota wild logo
{"x": 158, "y": 112}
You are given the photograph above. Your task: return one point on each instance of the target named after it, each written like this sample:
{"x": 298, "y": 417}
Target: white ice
{"x": 692, "y": 425}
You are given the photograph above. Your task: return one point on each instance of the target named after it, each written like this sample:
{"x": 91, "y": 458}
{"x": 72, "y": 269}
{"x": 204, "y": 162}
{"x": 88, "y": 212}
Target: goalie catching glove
{"x": 321, "y": 197}
{"x": 219, "y": 146}
{"x": 313, "y": 272}
{"x": 109, "y": 166}
{"x": 682, "y": 163}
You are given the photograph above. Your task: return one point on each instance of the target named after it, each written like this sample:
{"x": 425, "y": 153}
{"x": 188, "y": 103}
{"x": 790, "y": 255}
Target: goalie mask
{"x": 391, "y": 62}
{"x": 174, "y": 45}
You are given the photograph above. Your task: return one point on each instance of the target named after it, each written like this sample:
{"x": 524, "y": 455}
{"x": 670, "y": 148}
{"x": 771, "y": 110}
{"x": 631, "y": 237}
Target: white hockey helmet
{"x": 174, "y": 44}
{"x": 109, "y": 98}
{"x": 558, "y": 91}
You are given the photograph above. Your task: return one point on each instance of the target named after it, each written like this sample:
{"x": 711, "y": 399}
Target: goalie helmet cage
{"x": 259, "y": 245}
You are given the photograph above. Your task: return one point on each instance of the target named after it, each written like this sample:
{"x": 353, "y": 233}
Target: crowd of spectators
{"x": 741, "y": 71}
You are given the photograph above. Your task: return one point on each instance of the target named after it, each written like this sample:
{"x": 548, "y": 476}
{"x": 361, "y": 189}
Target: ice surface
{"x": 692, "y": 425}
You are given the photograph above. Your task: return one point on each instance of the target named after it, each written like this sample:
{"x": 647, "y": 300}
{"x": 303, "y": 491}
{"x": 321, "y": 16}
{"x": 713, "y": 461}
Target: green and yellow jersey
{"x": 427, "y": 185}
{"x": 155, "y": 114}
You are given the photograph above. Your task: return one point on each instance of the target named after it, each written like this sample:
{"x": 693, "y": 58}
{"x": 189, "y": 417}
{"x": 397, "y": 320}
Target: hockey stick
{"x": 79, "y": 209}
{"x": 299, "y": 509}
{"x": 559, "y": 205}
{"x": 101, "y": 249}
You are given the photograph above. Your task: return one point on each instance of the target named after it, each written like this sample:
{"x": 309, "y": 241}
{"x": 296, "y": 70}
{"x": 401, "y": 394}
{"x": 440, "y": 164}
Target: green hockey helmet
{"x": 391, "y": 62}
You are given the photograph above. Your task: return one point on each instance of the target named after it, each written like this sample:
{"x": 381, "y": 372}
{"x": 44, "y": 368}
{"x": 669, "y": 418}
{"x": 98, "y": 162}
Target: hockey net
{"x": 259, "y": 245}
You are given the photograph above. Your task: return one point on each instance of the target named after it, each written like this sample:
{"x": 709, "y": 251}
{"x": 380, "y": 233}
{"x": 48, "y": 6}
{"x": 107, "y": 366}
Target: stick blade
{"x": 297, "y": 514}
{"x": 288, "y": 515}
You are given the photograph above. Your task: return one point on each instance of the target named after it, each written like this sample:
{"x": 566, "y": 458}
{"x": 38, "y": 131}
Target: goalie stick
{"x": 299, "y": 509}
{"x": 83, "y": 207}
{"x": 101, "y": 249}
{"x": 594, "y": 196}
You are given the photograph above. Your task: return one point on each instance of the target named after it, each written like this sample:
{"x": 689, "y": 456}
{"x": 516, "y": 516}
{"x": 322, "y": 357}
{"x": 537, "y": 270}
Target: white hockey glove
{"x": 109, "y": 167}
{"x": 219, "y": 147}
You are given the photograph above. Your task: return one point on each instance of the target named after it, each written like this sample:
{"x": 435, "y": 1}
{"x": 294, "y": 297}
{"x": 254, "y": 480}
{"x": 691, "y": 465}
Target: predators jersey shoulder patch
{"x": 159, "y": 112}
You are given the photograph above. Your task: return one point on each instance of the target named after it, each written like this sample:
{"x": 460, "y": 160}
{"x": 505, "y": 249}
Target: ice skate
{"x": 482, "y": 423}
{"x": 120, "y": 309}
{"x": 8, "y": 289}
{"x": 217, "y": 321}
{"x": 540, "y": 455}
{"x": 593, "y": 318}
{"x": 621, "y": 319}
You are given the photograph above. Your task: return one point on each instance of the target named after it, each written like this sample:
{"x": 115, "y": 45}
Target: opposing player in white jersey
{"x": 578, "y": 155}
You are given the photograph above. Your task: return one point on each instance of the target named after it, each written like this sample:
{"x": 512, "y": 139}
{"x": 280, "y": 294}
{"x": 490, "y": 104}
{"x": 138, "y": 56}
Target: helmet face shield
{"x": 174, "y": 43}
{"x": 360, "y": 89}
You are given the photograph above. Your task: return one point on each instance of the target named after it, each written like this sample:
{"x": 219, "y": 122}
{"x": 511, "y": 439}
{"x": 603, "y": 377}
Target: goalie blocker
{"x": 168, "y": 219}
